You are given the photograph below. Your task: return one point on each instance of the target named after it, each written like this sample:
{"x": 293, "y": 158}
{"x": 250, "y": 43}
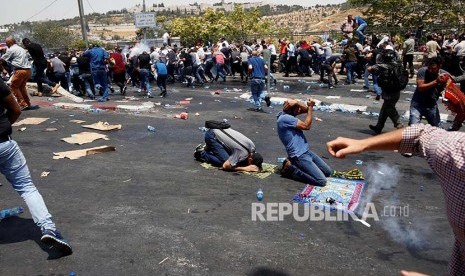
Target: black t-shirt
{"x": 187, "y": 59}
{"x": 429, "y": 97}
{"x": 5, "y": 126}
{"x": 84, "y": 64}
{"x": 331, "y": 60}
{"x": 304, "y": 55}
{"x": 144, "y": 61}
{"x": 37, "y": 54}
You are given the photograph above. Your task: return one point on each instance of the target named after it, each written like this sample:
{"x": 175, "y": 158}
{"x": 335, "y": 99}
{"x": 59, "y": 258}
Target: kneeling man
{"x": 229, "y": 149}
{"x": 302, "y": 164}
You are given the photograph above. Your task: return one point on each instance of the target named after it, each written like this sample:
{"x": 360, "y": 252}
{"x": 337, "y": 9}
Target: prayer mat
{"x": 342, "y": 194}
{"x": 268, "y": 169}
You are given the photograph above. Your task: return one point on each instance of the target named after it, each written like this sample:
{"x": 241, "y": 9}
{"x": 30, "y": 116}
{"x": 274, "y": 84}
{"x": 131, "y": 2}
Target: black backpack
{"x": 392, "y": 76}
{"x": 212, "y": 124}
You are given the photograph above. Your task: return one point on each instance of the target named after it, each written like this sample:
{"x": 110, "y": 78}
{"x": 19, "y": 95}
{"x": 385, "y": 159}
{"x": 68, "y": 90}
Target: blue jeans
{"x": 256, "y": 87}
{"x": 88, "y": 84}
{"x": 100, "y": 78}
{"x": 375, "y": 81}
{"x": 40, "y": 78}
{"x": 220, "y": 71}
{"x": 215, "y": 153}
{"x": 144, "y": 80}
{"x": 430, "y": 113}
{"x": 309, "y": 168}
{"x": 361, "y": 33}
{"x": 350, "y": 67}
{"x": 13, "y": 166}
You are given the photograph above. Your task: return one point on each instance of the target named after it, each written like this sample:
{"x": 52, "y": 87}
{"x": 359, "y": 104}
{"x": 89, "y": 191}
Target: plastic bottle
{"x": 10, "y": 212}
{"x": 259, "y": 194}
{"x": 280, "y": 159}
{"x": 151, "y": 128}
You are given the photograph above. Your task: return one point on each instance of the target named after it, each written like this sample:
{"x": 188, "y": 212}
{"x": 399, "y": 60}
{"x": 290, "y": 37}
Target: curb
{"x": 144, "y": 107}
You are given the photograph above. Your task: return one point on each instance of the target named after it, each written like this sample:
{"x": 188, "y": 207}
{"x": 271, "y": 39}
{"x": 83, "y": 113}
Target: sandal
{"x": 38, "y": 94}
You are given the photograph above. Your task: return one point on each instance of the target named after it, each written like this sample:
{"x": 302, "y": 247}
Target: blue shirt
{"x": 97, "y": 57}
{"x": 359, "y": 20}
{"x": 292, "y": 138}
{"x": 161, "y": 68}
{"x": 258, "y": 67}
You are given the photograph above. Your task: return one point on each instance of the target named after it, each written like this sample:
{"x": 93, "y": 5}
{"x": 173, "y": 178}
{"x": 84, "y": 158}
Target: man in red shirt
{"x": 119, "y": 70}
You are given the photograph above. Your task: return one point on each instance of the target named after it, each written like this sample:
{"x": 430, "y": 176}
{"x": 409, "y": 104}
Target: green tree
{"x": 412, "y": 13}
{"x": 212, "y": 25}
{"x": 51, "y": 35}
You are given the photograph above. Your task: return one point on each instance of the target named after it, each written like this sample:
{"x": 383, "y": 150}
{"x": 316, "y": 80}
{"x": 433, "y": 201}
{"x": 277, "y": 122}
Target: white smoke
{"x": 383, "y": 177}
{"x": 138, "y": 49}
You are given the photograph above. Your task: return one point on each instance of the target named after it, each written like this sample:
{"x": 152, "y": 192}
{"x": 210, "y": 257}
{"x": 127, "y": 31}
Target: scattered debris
{"x": 184, "y": 102}
{"x": 22, "y": 129}
{"x": 76, "y": 154}
{"x": 358, "y": 90}
{"x": 318, "y": 119}
{"x": 44, "y": 174}
{"x": 197, "y": 114}
{"x": 150, "y": 128}
{"x": 84, "y": 138}
{"x": 51, "y": 129}
{"x": 188, "y": 99}
{"x": 333, "y": 97}
{"x": 359, "y": 162}
{"x": 127, "y": 180}
{"x": 183, "y": 116}
{"x": 30, "y": 121}
{"x": 163, "y": 260}
{"x": 77, "y": 121}
{"x": 380, "y": 172}
{"x": 104, "y": 126}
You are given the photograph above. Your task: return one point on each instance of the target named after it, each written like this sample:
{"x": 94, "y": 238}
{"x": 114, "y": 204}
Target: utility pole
{"x": 83, "y": 23}
{"x": 145, "y": 29}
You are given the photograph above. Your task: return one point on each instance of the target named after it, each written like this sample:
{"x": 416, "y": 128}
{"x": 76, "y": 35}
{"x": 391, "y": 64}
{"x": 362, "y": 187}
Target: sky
{"x": 35, "y": 10}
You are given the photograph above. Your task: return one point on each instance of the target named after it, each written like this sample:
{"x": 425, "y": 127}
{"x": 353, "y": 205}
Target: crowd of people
{"x": 96, "y": 71}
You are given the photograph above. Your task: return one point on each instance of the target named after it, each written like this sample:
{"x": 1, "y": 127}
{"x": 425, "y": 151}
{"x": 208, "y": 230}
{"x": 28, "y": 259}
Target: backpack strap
{"x": 234, "y": 139}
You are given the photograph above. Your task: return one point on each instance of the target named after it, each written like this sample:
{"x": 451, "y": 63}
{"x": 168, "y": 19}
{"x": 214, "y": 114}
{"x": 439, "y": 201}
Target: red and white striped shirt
{"x": 445, "y": 153}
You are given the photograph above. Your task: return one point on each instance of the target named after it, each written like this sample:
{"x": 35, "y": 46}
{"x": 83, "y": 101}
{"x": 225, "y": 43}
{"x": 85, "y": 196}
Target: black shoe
{"x": 256, "y": 109}
{"x": 376, "y": 129}
{"x": 284, "y": 171}
{"x": 112, "y": 90}
{"x": 267, "y": 100}
{"x": 55, "y": 239}
{"x": 163, "y": 94}
{"x": 377, "y": 98}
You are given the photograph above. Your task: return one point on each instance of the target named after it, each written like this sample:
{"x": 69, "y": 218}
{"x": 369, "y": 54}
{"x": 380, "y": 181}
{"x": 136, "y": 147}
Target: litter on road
{"x": 104, "y": 126}
{"x": 76, "y": 154}
{"x": 84, "y": 138}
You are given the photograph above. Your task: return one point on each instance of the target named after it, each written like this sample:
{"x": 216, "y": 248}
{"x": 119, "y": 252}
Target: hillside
{"x": 315, "y": 19}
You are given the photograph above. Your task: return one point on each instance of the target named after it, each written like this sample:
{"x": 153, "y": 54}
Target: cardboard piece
{"x": 76, "y": 154}
{"x": 30, "y": 121}
{"x": 104, "y": 126}
{"x": 84, "y": 138}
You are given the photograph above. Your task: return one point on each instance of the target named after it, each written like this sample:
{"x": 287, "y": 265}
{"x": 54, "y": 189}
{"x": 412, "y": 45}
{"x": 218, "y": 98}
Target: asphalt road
{"x": 150, "y": 209}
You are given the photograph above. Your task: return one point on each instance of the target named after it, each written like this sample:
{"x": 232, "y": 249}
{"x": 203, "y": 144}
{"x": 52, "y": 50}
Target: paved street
{"x": 149, "y": 208}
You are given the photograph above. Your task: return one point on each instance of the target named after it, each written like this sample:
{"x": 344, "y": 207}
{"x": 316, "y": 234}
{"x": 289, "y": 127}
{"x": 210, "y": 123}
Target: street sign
{"x": 145, "y": 20}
